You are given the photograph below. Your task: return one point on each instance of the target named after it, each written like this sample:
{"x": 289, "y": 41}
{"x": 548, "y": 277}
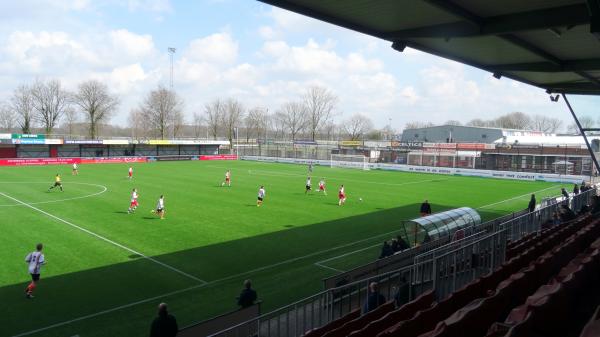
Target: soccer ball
{"x": 359, "y": 199}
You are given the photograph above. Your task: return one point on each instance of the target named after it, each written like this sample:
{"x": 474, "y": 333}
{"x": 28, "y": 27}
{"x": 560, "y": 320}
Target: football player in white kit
{"x": 35, "y": 260}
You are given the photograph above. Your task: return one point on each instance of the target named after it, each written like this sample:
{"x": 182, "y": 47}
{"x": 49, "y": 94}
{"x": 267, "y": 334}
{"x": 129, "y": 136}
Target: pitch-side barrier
{"x": 445, "y": 272}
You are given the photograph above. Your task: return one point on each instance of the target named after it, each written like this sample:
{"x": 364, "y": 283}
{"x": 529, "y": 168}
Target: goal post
{"x": 349, "y": 161}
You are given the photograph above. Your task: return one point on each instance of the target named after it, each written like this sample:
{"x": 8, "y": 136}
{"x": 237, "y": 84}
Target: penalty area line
{"x": 98, "y": 236}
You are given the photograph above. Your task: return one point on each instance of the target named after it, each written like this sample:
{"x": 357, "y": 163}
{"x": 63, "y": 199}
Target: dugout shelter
{"x": 441, "y": 225}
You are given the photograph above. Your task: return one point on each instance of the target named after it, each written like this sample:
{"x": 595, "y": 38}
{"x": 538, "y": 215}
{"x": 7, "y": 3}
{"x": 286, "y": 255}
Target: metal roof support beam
{"x": 454, "y": 9}
{"x": 572, "y": 15}
{"x": 582, "y": 130}
{"x": 594, "y": 10}
{"x": 427, "y": 50}
{"x": 573, "y": 65}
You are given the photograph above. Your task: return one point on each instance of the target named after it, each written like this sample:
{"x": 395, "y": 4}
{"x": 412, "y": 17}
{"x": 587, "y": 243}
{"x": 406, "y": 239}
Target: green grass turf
{"x": 213, "y": 233}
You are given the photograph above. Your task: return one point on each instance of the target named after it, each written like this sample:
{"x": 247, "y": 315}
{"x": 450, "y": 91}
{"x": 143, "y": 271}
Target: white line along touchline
{"x": 105, "y": 239}
{"x": 517, "y": 197}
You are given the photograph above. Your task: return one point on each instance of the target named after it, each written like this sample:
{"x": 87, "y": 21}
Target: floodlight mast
{"x": 171, "y": 51}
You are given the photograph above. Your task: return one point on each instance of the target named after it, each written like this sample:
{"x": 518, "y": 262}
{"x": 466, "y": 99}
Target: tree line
{"x": 46, "y": 107}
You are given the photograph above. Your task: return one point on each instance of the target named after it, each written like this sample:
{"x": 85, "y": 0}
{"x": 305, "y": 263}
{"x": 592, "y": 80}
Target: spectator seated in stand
{"x": 403, "y": 244}
{"x": 566, "y": 214}
{"x": 247, "y": 296}
{"x": 395, "y": 246}
{"x": 374, "y": 299}
{"x": 386, "y": 250}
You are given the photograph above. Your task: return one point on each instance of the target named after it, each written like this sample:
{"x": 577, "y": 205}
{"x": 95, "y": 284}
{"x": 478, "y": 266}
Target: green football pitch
{"x": 107, "y": 270}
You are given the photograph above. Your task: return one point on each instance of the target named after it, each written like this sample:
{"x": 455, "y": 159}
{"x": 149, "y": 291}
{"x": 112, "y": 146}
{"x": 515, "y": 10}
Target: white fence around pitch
{"x": 528, "y": 176}
{"x": 450, "y": 267}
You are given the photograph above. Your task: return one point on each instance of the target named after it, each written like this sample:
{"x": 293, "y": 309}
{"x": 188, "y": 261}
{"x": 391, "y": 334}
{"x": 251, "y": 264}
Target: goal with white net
{"x": 350, "y": 161}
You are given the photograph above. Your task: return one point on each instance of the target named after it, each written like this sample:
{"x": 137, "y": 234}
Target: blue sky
{"x": 244, "y": 49}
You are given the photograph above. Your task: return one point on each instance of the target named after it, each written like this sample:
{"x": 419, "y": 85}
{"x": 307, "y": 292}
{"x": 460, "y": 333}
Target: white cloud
{"x": 219, "y": 48}
{"x": 131, "y": 44}
{"x": 150, "y": 5}
{"x": 268, "y": 33}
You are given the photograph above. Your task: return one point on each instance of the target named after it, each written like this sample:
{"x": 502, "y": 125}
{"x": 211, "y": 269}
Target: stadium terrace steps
{"x": 405, "y": 312}
{"x": 424, "y": 322}
{"x": 545, "y": 270}
{"x": 361, "y": 321}
{"x": 318, "y": 332}
{"x": 592, "y": 327}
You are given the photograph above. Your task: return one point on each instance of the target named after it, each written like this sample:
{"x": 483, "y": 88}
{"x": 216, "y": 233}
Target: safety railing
{"x": 448, "y": 268}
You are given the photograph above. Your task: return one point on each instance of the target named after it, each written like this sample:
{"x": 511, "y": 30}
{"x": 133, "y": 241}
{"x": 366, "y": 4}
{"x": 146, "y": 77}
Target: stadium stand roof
{"x": 550, "y": 44}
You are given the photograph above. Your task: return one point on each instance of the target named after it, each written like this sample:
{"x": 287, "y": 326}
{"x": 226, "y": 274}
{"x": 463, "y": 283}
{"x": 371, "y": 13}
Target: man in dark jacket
{"x": 576, "y": 189}
{"x": 386, "y": 250}
{"x": 532, "y": 203}
{"x": 564, "y": 193}
{"x": 425, "y": 208}
{"x": 164, "y": 325}
{"x": 247, "y": 296}
{"x": 374, "y": 299}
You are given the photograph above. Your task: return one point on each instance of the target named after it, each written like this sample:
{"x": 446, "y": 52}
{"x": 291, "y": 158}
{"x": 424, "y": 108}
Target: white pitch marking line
{"x": 105, "y": 239}
{"x": 517, "y": 197}
{"x": 104, "y": 189}
{"x": 199, "y": 285}
{"x": 99, "y": 313}
{"x": 349, "y": 253}
{"x": 330, "y": 268}
{"x": 262, "y": 172}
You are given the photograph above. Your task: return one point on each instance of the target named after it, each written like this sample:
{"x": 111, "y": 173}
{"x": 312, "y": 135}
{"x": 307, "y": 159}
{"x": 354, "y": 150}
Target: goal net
{"x": 350, "y": 161}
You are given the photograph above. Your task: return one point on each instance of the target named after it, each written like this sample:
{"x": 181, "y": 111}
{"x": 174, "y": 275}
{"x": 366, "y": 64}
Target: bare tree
{"x": 480, "y": 123}
{"x": 135, "y": 120}
{"x": 96, "y": 103}
{"x": 319, "y": 103}
{"x": 279, "y": 125}
{"x": 356, "y": 126}
{"x": 197, "y": 124}
{"x": 330, "y": 129}
{"x": 545, "y": 124}
{"x": 453, "y": 122}
{"x": 586, "y": 123}
{"x": 177, "y": 123}
{"x": 160, "y": 110}
{"x": 514, "y": 120}
{"x": 234, "y": 113}
{"x": 417, "y": 125}
{"x": 21, "y": 104}
{"x": 50, "y": 102}
{"x": 256, "y": 122}
{"x": 294, "y": 118}
{"x": 71, "y": 118}
{"x": 214, "y": 113}
{"x": 7, "y": 118}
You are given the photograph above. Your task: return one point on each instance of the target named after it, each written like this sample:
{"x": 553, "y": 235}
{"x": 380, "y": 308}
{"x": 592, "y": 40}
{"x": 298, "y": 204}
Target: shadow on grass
{"x": 277, "y": 262}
